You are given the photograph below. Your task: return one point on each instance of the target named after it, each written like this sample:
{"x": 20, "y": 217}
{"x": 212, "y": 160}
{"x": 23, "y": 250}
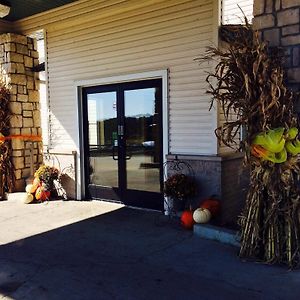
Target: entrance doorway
{"x": 123, "y": 142}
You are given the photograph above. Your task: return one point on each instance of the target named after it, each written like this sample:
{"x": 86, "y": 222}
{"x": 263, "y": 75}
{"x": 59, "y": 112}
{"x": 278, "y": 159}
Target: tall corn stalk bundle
{"x": 248, "y": 81}
{"x": 6, "y": 167}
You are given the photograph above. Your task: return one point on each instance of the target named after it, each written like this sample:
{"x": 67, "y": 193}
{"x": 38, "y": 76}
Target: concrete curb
{"x": 223, "y": 235}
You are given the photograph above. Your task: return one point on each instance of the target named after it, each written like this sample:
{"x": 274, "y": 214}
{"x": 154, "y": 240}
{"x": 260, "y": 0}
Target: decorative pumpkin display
{"x": 28, "y": 198}
{"x": 201, "y": 215}
{"x": 30, "y": 188}
{"x": 36, "y": 182}
{"x": 187, "y": 220}
{"x": 213, "y": 205}
{"x": 42, "y": 194}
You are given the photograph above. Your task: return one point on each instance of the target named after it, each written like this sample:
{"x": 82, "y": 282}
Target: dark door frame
{"x": 120, "y": 88}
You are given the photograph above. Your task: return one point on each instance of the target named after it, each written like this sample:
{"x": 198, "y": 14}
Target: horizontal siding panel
{"x": 116, "y": 55}
{"x": 96, "y": 11}
{"x": 110, "y": 26}
{"x": 121, "y": 40}
{"x": 168, "y": 36}
{"x": 232, "y": 14}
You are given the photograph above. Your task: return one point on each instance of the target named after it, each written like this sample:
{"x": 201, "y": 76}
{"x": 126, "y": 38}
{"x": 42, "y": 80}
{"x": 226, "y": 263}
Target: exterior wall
{"x": 279, "y": 24}
{"x": 17, "y": 56}
{"x": 98, "y": 41}
{"x": 224, "y": 177}
{"x": 232, "y": 14}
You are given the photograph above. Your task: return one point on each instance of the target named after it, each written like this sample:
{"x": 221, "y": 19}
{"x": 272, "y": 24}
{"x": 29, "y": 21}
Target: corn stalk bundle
{"x": 6, "y": 167}
{"x": 248, "y": 81}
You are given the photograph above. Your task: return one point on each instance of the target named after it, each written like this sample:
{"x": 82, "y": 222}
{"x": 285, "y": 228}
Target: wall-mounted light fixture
{"x": 4, "y": 9}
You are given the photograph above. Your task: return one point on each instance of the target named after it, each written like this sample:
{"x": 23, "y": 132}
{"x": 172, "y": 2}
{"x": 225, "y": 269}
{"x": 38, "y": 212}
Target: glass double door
{"x": 123, "y": 143}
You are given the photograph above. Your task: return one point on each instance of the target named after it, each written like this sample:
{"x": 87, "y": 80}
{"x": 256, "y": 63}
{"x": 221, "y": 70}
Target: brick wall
{"x": 17, "y": 57}
{"x": 279, "y": 23}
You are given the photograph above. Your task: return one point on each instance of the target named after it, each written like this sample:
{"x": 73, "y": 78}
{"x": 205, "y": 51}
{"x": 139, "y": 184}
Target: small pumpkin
{"x": 28, "y": 198}
{"x": 42, "y": 194}
{"x": 30, "y": 188}
{"x": 213, "y": 205}
{"x": 201, "y": 215}
{"x": 187, "y": 220}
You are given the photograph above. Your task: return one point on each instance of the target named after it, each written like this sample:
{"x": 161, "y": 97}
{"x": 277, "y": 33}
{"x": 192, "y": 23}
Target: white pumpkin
{"x": 29, "y": 188}
{"x": 201, "y": 215}
{"x": 28, "y": 198}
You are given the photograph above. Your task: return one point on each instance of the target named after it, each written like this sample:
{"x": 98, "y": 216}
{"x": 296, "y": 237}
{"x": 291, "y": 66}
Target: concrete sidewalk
{"x": 96, "y": 250}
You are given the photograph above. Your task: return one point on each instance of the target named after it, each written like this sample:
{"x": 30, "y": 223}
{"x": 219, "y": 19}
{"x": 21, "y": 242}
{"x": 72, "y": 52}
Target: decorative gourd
{"x": 35, "y": 184}
{"x": 30, "y": 188}
{"x": 42, "y": 194}
{"x": 187, "y": 220}
{"x": 201, "y": 215}
{"x": 213, "y": 205}
{"x": 28, "y": 198}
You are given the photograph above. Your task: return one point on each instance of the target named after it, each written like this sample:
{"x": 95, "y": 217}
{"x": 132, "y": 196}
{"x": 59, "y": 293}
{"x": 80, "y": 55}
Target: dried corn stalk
{"x": 249, "y": 81}
{"x": 6, "y": 167}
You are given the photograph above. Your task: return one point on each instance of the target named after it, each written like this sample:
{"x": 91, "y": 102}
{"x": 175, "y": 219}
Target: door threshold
{"x": 129, "y": 206}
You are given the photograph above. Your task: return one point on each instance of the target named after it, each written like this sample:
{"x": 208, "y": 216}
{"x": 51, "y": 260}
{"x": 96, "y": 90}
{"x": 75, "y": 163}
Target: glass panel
{"x": 103, "y": 139}
{"x": 142, "y": 139}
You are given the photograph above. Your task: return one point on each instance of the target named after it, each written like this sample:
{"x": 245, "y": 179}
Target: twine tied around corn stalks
{"x": 248, "y": 84}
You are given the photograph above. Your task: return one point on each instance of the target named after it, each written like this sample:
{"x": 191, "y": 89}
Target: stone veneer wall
{"x": 223, "y": 176}
{"x": 279, "y": 23}
{"x": 18, "y": 54}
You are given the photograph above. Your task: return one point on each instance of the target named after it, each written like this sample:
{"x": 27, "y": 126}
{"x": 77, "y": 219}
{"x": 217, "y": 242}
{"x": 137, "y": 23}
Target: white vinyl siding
{"x": 232, "y": 14}
{"x": 128, "y": 37}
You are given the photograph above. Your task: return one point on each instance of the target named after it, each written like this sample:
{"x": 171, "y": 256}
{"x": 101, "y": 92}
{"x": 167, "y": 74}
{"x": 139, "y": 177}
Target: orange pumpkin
{"x": 187, "y": 220}
{"x": 42, "y": 194}
{"x": 213, "y": 205}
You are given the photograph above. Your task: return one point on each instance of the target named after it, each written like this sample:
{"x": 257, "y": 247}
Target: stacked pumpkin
{"x": 41, "y": 187}
{"x": 208, "y": 209}
{"x": 37, "y": 190}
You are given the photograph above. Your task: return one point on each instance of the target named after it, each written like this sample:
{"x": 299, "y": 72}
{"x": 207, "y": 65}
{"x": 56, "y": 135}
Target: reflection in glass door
{"x": 123, "y": 142}
{"x": 102, "y": 129}
{"x": 142, "y": 140}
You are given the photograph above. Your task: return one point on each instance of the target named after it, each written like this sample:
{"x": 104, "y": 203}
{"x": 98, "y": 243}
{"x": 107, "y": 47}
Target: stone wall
{"x": 18, "y": 54}
{"x": 279, "y": 23}
{"x": 223, "y": 176}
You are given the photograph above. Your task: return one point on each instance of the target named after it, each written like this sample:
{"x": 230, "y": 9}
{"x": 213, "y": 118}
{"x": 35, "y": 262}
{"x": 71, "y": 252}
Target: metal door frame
{"x": 122, "y": 193}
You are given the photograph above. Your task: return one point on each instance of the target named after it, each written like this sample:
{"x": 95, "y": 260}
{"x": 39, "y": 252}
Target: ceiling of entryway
{"x": 24, "y": 8}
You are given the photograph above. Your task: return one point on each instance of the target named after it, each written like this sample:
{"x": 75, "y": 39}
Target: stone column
{"x": 18, "y": 54}
{"x": 279, "y": 23}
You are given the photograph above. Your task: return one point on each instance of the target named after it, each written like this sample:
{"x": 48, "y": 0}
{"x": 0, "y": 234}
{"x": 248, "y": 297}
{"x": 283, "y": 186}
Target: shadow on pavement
{"x": 132, "y": 254}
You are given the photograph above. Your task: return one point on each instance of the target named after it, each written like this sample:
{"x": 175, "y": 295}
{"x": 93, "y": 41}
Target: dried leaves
{"x": 248, "y": 81}
{"x": 6, "y": 167}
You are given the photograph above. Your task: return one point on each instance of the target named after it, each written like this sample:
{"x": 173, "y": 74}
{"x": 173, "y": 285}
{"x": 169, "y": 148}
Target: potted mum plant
{"x": 180, "y": 187}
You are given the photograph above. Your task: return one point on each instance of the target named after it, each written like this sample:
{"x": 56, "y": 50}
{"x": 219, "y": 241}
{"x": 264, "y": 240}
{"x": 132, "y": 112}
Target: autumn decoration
{"x": 212, "y": 204}
{"x": 42, "y": 185}
{"x": 202, "y": 215}
{"x": 187, "y": 220}
{"x": 249, "y": 87}
{"x": 7, "y": 177}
